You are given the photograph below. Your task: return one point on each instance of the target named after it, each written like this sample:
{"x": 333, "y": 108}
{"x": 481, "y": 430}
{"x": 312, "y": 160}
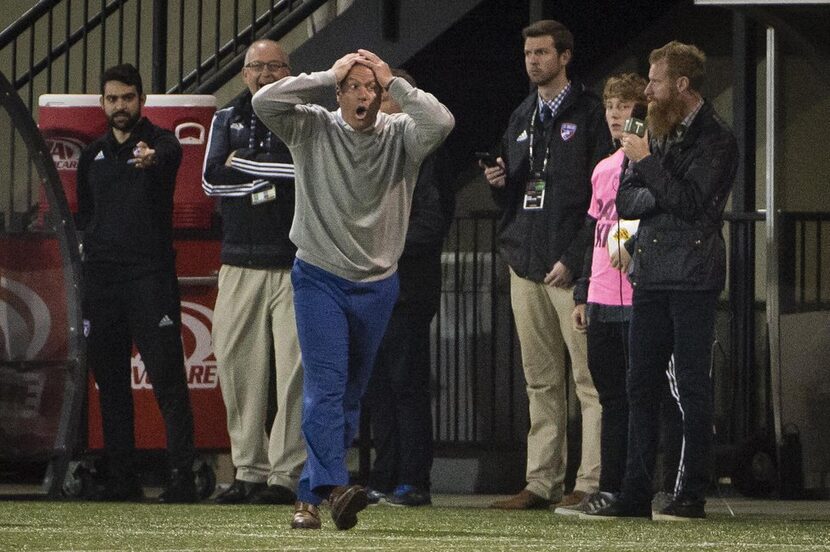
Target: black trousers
{"x": 146, "y": 310}
{"x": 608, "y": 363}
{"x": 666, "y": 323}
{"x": 398, "y": 397}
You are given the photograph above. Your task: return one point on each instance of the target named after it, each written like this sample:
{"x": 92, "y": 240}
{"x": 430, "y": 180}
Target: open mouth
{"x": 361, "y": 111}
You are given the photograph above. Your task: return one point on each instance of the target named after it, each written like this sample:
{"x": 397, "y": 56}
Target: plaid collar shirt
{"x": 554, "y": 104}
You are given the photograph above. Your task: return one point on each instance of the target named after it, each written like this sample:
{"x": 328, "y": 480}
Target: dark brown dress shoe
{"x": 525, "y": 500}
{"x": 345, "y": 502}
{"x": 306, "y": 516}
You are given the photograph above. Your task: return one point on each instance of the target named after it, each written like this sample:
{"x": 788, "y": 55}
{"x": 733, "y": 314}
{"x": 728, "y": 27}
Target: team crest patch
{"x": 567, "y": 131}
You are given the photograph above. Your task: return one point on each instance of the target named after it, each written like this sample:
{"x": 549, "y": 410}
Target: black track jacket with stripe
{"x": 253, "y": 236}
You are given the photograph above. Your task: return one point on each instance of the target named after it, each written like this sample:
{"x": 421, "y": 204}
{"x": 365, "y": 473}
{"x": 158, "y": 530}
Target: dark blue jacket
{"x": 533, "y": 241}
{"x": 254, "y": 236}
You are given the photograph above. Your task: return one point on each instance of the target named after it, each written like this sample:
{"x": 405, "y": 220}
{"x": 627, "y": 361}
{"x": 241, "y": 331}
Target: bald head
{"x": 265, "y": 62}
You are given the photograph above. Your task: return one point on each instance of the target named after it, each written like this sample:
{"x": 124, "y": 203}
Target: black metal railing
{"x": 804, "y": 284}
{"x": 63, "y": 45}
{"x": 478, "y": 394}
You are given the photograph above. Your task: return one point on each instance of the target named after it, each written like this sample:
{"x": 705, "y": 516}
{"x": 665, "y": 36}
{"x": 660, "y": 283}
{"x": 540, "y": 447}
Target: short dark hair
{"x": 682, "y": 60}
{"x": 563, "y": 39}
{"x": 126, "y": 73}
{"x": 404, "y": 75}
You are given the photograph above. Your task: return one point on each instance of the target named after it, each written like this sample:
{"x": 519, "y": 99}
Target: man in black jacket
{"x": 398, "y": 397}
{"x": 126, "y": 180}
{"x": 543, "y": 184}
{"x": 251, "y": 170}
{"x": 677, "y": 184}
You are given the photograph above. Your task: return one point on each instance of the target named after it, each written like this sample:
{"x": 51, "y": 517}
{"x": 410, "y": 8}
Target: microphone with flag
{"x": 636, "y": 124}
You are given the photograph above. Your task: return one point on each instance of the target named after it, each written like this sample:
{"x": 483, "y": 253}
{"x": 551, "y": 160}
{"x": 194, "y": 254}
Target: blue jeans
{"x": 665, "y": 323}
{"x": 340, "y": 325}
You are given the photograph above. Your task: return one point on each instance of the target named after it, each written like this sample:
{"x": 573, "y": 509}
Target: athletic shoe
{"x": 597, "y": 501}
{"x": 409, "y": 495}
{"x": 660, "y": 501}
{"x": 618, "y": 509}
{"x": 681, "y": 509}
{"x": 375, "y": 496}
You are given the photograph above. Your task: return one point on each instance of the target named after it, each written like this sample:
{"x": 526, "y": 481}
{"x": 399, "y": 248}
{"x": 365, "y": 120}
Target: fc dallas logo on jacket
{"x": 567, "y": 131}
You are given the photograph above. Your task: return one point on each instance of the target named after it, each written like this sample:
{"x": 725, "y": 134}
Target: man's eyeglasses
{"x": 273, "y": 66}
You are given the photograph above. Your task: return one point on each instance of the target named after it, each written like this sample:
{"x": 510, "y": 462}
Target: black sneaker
{"x": 121, "y": 488}
{"x": 660, "y": 501}
{"x": 180, "y": 489}
{"x": 597, "y": 501}
{"x": 618, "y": 509}
{"x": 273, "y": 494}
{"x": 409, "y": 495}
{"x": 240, "y": 492}
{"x": 681, "y": 509}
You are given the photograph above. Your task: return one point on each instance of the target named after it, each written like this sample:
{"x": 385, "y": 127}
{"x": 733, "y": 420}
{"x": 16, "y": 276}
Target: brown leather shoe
{"x": 525, "y": 500}
{"x": 346, "y": 502}
{"x": 306, "y": 516}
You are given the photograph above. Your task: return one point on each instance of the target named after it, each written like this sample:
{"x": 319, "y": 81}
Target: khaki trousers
{"x": 543, "y": 322}
{"x": 255, "y": 309}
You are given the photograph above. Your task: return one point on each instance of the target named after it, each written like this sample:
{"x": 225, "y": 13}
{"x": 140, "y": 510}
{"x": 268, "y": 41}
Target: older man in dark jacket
{"x": 677, "y": 185}
{"x": 254, "y": 330}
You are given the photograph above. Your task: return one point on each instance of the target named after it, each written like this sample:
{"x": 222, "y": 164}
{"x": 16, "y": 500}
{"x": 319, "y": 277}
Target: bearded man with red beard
{"x": 677, "y": 184}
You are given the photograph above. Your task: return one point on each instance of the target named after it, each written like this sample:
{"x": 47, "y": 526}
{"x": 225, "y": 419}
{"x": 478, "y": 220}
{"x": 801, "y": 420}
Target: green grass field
{"x": 42, "y": 525}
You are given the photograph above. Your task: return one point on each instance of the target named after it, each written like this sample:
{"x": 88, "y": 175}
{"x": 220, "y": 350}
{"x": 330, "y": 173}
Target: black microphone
{"x": 635, "y": 124}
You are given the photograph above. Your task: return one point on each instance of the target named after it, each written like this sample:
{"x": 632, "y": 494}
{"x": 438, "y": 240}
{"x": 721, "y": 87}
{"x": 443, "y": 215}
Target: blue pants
{"x": 340, "y": 325}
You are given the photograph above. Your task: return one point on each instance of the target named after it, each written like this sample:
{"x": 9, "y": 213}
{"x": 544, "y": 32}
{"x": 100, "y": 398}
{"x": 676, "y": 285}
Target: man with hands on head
{"x": 355, "y": 170}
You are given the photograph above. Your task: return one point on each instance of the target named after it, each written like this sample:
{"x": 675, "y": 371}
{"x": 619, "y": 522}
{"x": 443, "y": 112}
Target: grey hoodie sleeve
{"x": 430, "y": 121}
{"x": 284, "y": 106}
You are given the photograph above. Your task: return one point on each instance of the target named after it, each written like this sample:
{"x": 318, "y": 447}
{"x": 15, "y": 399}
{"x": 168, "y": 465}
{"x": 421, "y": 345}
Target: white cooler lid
{"x": 153, "y": 100}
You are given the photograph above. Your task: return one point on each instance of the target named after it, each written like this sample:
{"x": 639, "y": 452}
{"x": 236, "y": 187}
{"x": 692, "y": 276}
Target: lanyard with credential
{"x": 531, "y": 140}
{"x": 534, "y": 198}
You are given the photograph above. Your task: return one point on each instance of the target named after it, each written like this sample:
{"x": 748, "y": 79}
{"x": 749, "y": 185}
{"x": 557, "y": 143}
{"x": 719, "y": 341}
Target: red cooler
{"x": 68, "y": 123}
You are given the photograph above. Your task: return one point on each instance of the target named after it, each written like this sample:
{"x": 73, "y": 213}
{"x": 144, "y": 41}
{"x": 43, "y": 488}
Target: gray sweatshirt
{"x": 353, "y": 189}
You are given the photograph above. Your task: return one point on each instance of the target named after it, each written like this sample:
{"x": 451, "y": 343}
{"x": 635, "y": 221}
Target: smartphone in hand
{"x": 487, "y": 158}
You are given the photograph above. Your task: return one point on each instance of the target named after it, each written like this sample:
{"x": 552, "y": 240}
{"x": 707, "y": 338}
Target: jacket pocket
{"x": 687, "y": 258}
